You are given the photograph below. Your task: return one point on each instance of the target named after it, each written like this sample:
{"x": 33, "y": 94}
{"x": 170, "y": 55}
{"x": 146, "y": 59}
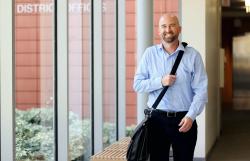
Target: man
{"x": 173, "y": 123}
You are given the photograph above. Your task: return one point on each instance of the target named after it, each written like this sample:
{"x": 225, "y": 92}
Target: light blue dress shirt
{"x": 189, "y": 91}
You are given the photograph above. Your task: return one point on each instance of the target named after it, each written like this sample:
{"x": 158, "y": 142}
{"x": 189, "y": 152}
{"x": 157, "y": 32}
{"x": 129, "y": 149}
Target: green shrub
{"x": 35, "y": 135}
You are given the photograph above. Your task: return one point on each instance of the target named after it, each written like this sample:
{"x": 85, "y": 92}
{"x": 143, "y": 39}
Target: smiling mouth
{"x": 168, "y": 34}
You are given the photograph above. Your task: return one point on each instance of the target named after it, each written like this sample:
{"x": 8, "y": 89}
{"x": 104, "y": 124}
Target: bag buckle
{"x": 148, "y": 112}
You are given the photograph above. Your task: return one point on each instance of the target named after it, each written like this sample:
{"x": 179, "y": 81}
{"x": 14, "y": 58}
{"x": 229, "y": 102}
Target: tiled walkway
{"x": 234, "y": 143}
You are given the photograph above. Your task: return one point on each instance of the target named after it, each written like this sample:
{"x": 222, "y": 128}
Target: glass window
{"x": 131, "y": 111}
{"x": 34, "y": 80}
{"x": 109, "y": 71}
{"x": 79, "y": 79}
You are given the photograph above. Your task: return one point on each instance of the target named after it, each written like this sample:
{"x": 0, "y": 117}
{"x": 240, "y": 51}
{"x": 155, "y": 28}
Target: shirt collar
{"x": 180, "y": 47}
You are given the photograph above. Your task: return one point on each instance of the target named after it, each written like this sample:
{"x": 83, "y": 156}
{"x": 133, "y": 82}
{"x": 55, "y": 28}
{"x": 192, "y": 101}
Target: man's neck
{"x": 170, "y": 47}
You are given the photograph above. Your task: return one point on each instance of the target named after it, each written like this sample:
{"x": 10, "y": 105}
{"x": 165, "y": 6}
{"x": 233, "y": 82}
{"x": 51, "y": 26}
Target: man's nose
{"x": 168, "y": 28}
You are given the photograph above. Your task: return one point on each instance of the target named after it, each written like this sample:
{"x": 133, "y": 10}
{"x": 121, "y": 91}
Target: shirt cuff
{"x": 191, "y": 114}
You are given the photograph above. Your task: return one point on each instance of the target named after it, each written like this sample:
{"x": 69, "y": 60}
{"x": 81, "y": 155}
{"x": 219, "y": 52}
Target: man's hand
{"x": 185, "y": 124}
{"x": 168, "y": 80}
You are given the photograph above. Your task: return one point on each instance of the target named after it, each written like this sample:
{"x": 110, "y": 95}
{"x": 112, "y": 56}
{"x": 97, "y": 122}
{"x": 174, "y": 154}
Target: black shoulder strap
{"x": 173, "y": 71}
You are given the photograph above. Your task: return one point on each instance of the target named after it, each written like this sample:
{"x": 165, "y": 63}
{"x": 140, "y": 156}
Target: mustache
{"x": 165, "y": 33}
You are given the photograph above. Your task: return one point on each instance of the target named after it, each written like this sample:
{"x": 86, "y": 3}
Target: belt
{"x": 171, "y": 114}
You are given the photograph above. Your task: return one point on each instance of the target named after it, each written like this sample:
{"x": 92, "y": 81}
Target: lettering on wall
{"x": 32, "y": 8}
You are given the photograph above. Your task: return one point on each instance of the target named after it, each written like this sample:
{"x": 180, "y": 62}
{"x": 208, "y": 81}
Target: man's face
{"x": 169, "y": 29}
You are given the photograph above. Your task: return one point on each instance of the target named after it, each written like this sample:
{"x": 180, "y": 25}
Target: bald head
{"x": 169, "y": 18}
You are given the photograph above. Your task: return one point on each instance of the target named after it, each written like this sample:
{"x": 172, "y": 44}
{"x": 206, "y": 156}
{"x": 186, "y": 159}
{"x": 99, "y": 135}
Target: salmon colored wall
{"x": 34, "y": 57}
{"x": 130, "y": 62}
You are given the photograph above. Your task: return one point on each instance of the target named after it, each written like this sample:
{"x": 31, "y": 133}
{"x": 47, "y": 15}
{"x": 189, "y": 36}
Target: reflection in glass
{"x": 34, "y": 80}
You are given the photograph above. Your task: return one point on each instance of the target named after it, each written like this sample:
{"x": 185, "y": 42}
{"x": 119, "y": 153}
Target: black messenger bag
{"x": 138, "y": 149}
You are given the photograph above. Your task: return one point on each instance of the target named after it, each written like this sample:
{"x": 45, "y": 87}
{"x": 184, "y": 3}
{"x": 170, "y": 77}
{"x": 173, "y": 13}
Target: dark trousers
{"x": 164, "y": 131}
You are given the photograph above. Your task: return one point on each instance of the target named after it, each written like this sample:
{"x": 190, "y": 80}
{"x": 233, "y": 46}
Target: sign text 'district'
{"x": 31, "y": 8}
